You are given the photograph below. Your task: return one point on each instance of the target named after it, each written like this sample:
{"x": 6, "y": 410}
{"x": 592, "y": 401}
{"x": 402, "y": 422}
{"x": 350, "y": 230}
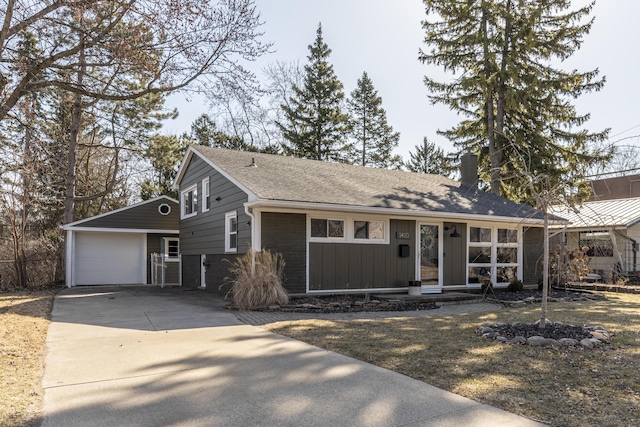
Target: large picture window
{"x": 493, "y": 255}
{"x": 231, "y": 232}
{"x": 598, "y": 243}
{"x": 189, "y": 201}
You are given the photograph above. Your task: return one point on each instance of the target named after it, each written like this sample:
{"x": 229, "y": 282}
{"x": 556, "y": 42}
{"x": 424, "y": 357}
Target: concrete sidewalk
{"x": 146, "y": 356}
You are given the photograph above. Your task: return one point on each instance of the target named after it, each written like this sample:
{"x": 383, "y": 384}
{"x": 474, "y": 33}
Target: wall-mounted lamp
{"x": 218, "y": 198}
{"x": 455, "y": 231}
{"x": 249, "y": 223}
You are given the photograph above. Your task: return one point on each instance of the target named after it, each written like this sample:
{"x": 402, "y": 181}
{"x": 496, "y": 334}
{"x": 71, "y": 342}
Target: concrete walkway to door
{"x": 147, "y": 356}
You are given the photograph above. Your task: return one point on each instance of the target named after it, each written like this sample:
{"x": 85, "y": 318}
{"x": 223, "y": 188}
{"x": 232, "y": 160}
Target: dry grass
{"x": 256, "y": 279}
{"x": 566, "y": 387}
{"x": 24, "y": 319}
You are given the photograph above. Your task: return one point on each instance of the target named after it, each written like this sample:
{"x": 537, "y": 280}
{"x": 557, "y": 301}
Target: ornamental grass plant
{"x": 256, "y": 280}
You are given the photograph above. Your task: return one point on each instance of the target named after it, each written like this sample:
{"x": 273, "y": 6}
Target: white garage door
{"x": 110, "y": 258}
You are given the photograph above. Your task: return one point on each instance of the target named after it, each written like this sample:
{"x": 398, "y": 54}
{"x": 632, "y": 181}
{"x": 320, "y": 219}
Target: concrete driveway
{"x": 146, "y": 356}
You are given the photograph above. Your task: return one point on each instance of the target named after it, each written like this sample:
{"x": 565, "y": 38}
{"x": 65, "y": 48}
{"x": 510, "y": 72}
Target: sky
{"x": 383, "y": 38}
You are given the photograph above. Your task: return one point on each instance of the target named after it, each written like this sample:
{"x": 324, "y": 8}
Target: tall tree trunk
{"x": 494, "y": 153}
{"x": 500, "y": 137}
{"x": 76, "y": 120}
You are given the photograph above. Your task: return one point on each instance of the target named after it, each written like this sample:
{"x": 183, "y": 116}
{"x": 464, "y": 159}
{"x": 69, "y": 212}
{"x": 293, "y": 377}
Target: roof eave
{"x": 306, "y": 206}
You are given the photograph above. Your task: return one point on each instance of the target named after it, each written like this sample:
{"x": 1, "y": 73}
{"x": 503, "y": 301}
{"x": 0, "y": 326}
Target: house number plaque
{"x": 403, "y": 235}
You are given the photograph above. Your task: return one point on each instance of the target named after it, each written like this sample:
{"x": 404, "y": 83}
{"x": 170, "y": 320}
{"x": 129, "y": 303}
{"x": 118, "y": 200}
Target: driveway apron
{"x": 148, "y": 356}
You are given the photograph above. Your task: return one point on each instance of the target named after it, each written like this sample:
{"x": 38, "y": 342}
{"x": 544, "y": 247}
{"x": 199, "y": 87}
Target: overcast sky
{"x": 382, "y": 37}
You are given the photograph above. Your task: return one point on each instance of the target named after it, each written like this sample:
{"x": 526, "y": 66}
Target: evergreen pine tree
{"x": 516, "y": 102}
{"x": 374, "y": 137}
{"x": 429, "y": 158}
{"x": 315, "y": 125}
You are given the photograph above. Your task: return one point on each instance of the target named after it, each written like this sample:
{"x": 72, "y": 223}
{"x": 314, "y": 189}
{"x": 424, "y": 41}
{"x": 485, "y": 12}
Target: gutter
{"x": 306, "y": 206}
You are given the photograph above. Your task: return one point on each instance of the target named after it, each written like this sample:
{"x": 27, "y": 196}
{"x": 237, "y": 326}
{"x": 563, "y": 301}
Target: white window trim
{"x": 227, "y": 232}
{"x": 206, "y": 195}
{"x": 349, "y": 229}
{"x": 184, "y": 215}
{"x": 168, "y": 258}
{"x": 494, "y": 245}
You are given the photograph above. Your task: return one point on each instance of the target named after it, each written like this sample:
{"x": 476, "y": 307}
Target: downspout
{"x": 254, "y": 237}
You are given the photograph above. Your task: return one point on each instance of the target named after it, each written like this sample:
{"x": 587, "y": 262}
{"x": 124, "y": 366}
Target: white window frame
{"x": 228, "y": 232}
{"x": 349, "y": 229}
{"x": 206, "y": 195}
{"x": 194, "y": 206}
{"x": 167, "y": 256}
{"x": 493, "y": 265}
{"x": 385, "y": 231}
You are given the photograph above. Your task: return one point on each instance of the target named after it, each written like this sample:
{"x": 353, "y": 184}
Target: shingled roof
{"x": 267, "y": 177}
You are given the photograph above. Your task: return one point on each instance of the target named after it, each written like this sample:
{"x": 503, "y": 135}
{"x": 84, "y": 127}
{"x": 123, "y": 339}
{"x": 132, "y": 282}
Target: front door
{"x": 429, "y": 258}
{"x": 455, "y": 254}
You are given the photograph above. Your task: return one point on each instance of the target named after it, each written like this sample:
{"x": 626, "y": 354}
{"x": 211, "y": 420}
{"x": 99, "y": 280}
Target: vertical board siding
{"x": 344, "y": 266}
{"x": 532, "y": 252}
{"x": 203, "y": 233}
{"x": 286, "y": 233}
{"x": 217, "y": 274}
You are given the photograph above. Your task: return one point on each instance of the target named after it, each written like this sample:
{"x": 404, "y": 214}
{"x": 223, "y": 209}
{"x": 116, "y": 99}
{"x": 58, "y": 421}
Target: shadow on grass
{"x": 566, "y": 387}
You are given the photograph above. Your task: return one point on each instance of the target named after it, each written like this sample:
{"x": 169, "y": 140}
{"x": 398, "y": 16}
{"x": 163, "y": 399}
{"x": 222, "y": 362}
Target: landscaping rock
{"x": 554, "y": 335}
{"x": 536, "y": 340}
{"x": 601, "y": 335}
{"x": 586, "y": 343}
{"x": 568, "y": 342}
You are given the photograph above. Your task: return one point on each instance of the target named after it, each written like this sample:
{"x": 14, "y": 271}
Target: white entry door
{"x": 429, "y": 255}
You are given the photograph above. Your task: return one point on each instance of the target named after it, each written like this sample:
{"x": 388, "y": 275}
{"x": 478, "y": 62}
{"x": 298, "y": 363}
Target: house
{"x": 617, "y": 187}
{"x": 609, "y": 229}
{"x": 345, "y": 228}
{"x": 116, "y": 247}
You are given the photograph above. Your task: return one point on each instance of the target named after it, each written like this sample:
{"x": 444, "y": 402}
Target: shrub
{"x": 515, "y": 286}
{"x": 256, "y": 280}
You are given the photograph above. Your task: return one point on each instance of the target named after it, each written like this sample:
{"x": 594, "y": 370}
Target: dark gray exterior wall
{"x": 344, "y": 266}
{"x": 287, "y": 234}
{"x": 154, "y": 245}
{"x": 204, "y": 233}
{"x": 145, "y": 217}
{"x": 532, "y": 252}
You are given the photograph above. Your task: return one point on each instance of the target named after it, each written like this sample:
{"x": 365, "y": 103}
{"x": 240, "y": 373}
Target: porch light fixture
{"x": 218, "y": 198}
{"x": 455, "y": 231}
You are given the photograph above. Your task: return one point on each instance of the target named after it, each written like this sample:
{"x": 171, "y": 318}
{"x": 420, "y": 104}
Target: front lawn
{"x": 24, "y": 320}
{"x": 564, "y": 387}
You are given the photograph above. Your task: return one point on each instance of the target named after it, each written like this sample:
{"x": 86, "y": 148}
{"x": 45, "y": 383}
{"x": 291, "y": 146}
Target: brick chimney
{"x": 469, "y": 170}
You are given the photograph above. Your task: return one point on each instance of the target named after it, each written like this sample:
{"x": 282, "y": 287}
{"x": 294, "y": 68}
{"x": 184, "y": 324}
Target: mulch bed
{"x": 348, "y": 304}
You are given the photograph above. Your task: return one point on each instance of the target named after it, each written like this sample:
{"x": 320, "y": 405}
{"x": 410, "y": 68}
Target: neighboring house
{"x": 116, "y": 247}
{"x": 610, "y": 229}
{"x": 350, "y": 228}
{"x": 619, "y": 187}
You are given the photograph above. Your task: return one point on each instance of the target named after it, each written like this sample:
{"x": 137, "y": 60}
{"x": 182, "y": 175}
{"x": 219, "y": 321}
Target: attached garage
{"x": 115, "y": 248}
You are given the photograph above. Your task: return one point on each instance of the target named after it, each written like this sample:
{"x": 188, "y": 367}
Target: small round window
{"x": 164, "y": 209}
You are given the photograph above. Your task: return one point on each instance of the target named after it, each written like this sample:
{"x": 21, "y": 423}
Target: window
{"x": 493, "y": 255}
{"x": 231, "y": 232}
{"x": 327, "y": 228}
{"x": 190, "y": 202}
{"x": 164, "y": 209}
{"x": 171, "y": 248}
{"x": 206, "y": 198}
{"x": 598, "y": 243}
{"x": 370, "y": 230}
